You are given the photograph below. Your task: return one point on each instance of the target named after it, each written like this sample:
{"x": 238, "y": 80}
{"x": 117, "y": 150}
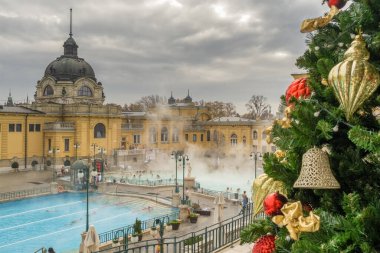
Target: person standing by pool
{"x": 244, "y": 202}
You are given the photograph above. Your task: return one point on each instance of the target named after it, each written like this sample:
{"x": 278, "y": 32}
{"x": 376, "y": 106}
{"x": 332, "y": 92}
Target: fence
{"x": 205, "y": 240}
{"x": 226, "y": 195}
{"x": 128, "y": 230}
{"x": 6, "y": 196}
{"x": 158, "y": 182}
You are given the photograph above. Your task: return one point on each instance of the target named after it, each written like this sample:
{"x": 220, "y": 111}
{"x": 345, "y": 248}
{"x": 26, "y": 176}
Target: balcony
{"x": 132, "y": 126}
{"x": 60, "y": 126}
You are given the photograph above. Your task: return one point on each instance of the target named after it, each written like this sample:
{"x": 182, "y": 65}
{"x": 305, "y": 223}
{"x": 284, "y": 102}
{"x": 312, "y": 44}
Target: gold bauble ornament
{"x": 354, "y": 79}
{"x": 316, "y": 172}
{"x": 268, "y": 132}
{"x": 279, "y": 154}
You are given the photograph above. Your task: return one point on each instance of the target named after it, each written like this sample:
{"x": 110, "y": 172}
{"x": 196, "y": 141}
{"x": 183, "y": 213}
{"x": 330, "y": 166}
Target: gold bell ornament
{"x": 354, "y": 79}
{"x": 316, "y": 172}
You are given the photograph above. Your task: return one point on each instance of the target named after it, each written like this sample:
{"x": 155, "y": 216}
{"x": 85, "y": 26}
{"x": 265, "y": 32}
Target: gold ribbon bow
{"x": 312, "y": 24}
{"x": 294, "y": 220}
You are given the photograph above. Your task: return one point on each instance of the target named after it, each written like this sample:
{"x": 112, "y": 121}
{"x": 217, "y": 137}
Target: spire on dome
{"x": 188, "y": 99}
{"x": 71, "y": 22}
{"x": 70, "y": 46}
{"x": 171, "y": 100}
{"x": 10, "y": 100}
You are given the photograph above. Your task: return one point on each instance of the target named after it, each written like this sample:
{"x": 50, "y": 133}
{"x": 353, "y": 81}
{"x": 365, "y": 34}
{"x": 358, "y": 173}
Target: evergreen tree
{"x": 350, "y": 216}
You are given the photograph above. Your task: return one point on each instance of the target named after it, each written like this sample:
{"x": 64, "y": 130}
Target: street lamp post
{"x": 161, "y": 232}
{"x": 255, "y": 156}
{"x": 54, "y": 151}
{"x": 175, "y": 155}
{"x": 87, "y": 183}
{"x": 184, "y": 159}
{"x": 83, "y": 170}
{"x": 102, "y": 151}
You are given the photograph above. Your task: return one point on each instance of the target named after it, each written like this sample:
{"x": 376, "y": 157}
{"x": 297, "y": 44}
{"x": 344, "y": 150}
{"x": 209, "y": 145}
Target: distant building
{"x": 69, "y": 120}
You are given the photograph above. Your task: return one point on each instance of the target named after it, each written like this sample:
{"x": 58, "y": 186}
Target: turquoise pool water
{"x": 58, "y": 220}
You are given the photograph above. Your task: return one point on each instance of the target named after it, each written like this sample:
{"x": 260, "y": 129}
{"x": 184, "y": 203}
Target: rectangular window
{"x": 31, "y": 127}
{"x": 49, "y": 144}
{"x": 37, "y": 127}
{"x": 186, "y": 137}
{"x": 18, "y": 128}
{"x": 11, "y": 127}
{"x": 194, "y": 137}
{"x": 67, "y": 145}
{"x": 136, "y": 139}
{"x": 201, "y": 137}
{"x": 123, "y": 142}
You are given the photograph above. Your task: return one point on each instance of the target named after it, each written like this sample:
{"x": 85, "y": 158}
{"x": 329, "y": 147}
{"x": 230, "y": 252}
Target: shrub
{"x": 193, "y": 240}
{"x": 137, "y": 227}
{"x": 14, "y": 165}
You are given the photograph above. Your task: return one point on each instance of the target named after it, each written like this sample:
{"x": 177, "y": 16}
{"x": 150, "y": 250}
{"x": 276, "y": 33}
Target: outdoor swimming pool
{"x": 58, "y": 220}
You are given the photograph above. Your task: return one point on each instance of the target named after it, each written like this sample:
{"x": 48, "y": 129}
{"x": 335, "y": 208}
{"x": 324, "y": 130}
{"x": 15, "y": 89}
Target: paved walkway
{"x": 16, "y": 181}
{"x": 245, "y": 248}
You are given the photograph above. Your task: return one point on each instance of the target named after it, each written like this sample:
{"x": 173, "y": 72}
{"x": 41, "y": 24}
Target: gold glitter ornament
{"x": 354, "y": 79}
{"x": 316, "y": 172}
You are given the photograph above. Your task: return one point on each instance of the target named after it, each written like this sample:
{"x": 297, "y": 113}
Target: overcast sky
{"x": 225, "y": 50}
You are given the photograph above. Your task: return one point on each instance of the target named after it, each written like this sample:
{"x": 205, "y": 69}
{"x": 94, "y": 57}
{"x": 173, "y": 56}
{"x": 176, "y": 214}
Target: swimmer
{"x": 75, "y": 221}
{"x": 149, "y": 208}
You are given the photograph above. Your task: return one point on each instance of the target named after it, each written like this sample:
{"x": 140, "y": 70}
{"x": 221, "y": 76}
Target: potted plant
{"x": 115, "y": 241}
{"x": 193, "y": 217}
{"x": 153, "y": 231}
{"x": 175, "y": 224}
{"x": 134, "y": 238}
{"x": 168, "y": 226}
{"x": 137, "y": 228}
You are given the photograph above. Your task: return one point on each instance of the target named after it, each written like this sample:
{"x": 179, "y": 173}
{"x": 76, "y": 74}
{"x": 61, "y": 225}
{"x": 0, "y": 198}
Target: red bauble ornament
{"x": 265, "y": 244}
{"x": 273, "y": 203}
{"x": 297, "y": 89}
{"x": 337, "y": 3}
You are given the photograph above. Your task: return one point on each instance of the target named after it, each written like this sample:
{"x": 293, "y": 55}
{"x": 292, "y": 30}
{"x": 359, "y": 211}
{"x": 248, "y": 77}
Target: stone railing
{"x": 59, "y": 126}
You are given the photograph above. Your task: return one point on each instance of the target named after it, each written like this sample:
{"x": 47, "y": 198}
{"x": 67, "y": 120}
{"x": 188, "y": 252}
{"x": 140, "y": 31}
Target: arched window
{"x": 233, "y": 140}
{"x": 208, "y": 137}
{"x": 100, "y": 131}
{"x": 254, "y": 134}
{"x": 244, "y": 140}
{"x": 175, "y": 137}
{"x": 152, "y": 135}
{"x": 85, "y": 91}
{"x": 48, "y": 91}
{"x": 164, "y": 134}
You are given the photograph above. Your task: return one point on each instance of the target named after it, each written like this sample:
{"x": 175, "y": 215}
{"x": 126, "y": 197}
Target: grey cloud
{"x": 146, "y": 47}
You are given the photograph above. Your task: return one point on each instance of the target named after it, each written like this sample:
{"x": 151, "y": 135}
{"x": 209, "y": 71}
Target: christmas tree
{"x": 335, "y": 113}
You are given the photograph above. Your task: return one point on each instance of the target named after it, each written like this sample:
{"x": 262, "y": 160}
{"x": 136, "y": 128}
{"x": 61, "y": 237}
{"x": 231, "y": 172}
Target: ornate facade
{"x": 69, "y": 120}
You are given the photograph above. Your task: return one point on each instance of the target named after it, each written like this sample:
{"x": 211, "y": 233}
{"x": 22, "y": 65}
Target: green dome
{"x": 69, "y": 67}
{"x": 79, "y": 165}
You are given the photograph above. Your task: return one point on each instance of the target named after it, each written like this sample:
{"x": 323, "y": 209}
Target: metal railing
{"x": 5, "y": 196}
{"x": 158, "y": 182}
{"x": 128, "y": 230}
{"x": 209, "y": 239}
{"x": 42, "y": 250}
{"x": 227, "y": 195}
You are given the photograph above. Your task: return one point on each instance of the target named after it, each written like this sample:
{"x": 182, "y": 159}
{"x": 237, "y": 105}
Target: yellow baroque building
{"x": 68, "y": 120}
